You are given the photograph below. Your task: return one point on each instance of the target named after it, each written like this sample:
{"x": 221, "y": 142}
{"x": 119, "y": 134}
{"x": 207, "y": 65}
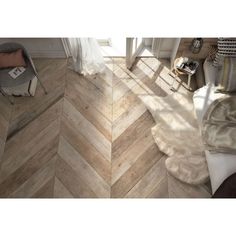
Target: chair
{"x": 25, "y": 84}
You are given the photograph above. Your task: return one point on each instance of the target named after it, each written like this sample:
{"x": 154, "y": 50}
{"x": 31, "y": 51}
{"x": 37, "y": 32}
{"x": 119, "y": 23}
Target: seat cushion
{"x": 26, "y": 89}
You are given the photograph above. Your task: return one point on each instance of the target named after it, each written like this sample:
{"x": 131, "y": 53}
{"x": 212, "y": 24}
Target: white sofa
{"x": 220, "y": 165}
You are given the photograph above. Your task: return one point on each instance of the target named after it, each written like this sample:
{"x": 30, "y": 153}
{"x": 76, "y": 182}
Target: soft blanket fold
{"x": 177, "y": 134}
{"x": 219, "y": 126}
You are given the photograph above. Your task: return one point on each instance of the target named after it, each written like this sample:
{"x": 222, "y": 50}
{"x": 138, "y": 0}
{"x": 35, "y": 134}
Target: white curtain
{"x": 86, "y": 55}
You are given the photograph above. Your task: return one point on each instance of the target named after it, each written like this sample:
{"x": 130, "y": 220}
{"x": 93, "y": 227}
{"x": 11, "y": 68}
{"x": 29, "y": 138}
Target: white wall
{"x": 167, "y": 46}
{"x": 148, "y": 42}
{"x": 40, "y": 47}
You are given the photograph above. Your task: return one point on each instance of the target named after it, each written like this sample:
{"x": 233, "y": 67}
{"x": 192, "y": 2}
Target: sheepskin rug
{"x": 177, "y": 135}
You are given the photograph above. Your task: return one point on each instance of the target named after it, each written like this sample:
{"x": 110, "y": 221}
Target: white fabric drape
{"x": 86, "y": 55}
{"x": 177, "y": 134}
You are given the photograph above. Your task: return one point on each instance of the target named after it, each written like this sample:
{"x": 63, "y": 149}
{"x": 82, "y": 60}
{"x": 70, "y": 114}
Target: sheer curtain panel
{"x": 86, "y": 55}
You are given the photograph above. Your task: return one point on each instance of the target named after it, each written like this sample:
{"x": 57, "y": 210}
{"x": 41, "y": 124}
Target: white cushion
{"x": 210, "y": 72}
{"x": 220, "y": 166}
{"x": 203, "y": 98}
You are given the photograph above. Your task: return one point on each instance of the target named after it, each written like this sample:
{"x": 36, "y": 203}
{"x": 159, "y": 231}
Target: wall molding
{"x": 165, "y": 54}
{"x": 156, "y": 46}
{"x": 47, "y": 54}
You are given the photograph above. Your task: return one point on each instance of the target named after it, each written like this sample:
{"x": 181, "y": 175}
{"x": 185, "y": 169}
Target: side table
{"x": 178, "y": 72}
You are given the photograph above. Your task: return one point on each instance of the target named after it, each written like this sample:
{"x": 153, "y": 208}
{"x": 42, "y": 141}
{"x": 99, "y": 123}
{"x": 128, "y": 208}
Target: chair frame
{"x": 11, "y": 46}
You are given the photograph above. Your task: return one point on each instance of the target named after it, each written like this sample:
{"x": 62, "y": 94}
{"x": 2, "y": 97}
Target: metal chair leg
{"x": 189, "y": 81}
{"x": 6, "y": 96}
{"x": 44, "y": 89}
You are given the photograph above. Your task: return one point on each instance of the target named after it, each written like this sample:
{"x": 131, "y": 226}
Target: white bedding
{"x": 210, "y": 72}
{"x": 220, "y": 165}
{"x": 203, "y": 98}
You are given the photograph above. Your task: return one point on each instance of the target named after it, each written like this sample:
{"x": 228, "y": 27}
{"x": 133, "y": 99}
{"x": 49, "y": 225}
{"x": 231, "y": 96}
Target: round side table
{"x": 178, "y": 72}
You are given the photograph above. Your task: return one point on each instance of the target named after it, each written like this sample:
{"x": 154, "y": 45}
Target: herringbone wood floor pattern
{"x": 88, "y": 137}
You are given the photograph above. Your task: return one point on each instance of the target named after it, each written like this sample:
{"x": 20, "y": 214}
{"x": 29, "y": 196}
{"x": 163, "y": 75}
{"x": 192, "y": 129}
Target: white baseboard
{"x": 165, "y": 54}
{"x": 47, "y": 54}
{"x": 61, "y": 54}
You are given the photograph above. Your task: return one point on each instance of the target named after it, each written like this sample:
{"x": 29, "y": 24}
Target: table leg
{"x": 189, "y": 81}
{"x": 173, "y": 80}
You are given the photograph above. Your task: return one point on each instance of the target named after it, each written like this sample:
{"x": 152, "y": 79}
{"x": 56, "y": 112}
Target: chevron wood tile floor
{"x": 88, "y": 137}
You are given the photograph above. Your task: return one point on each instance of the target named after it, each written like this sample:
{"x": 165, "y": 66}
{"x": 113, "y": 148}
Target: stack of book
{"x": 187, "y": 66}
{"x": 16, "y": 72}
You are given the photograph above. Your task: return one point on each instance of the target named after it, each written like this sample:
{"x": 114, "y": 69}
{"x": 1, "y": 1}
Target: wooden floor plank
{"x": 72, "y": 181}
{"x": 91, "y": 114}
{"x": 87, "y": 150}
{"x": 33, "y": 129}
{"x": 127, "y": 102}
{"x": 36, "y": 181}
{"x": 101, "y": 84}
{"x": 127, "y": 81}
{"x": 91, "y": 94}
{"x": 106, "y": 148}
{"x": 136, "y": 172}
{"x": 2, "y": 147}
{"x": 60, "y": 191}
{"x": 128, "y": 158}
{"x": 150, "y": 180}
{"x": 127, "y": 119}
{"x": 46, "y": 191}
{"x": 23, "y": 173}
{"x": 84, "y": 170}
{"x": 131, "y": 134}
{"x": 107, "y": 75}
{"x": 5, "y": 117}
{"x": 14, "y": 161}
{"x": 161, "y": 190}
{"x": 87, "y": 129}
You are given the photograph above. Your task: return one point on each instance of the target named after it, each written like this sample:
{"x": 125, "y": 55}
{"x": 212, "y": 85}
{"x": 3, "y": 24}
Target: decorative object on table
{"x": 14, "y": 55}
{"x": 184, "y": 66}
{"x": 196, "y": 45}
